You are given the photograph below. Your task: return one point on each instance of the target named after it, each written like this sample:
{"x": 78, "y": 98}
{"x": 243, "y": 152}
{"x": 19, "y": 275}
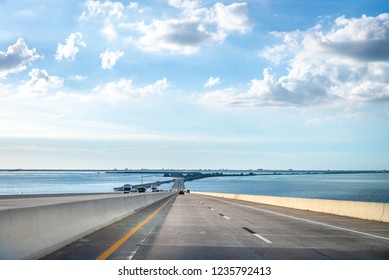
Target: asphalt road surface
{"x": 197, "y": 227}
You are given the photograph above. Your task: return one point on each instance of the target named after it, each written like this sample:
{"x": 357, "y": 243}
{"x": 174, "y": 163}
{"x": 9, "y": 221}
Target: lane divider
{"x": 305, "y": 220}
{"x": 120, "y": 242}
{"x": 247, "y": 229}
{"x": 257, "y": 235}
{"x": 224, "y": 216}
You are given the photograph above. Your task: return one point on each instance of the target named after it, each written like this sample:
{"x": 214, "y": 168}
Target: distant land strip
{"x": 190, "y": 175}
{"x": 311, "y": 171}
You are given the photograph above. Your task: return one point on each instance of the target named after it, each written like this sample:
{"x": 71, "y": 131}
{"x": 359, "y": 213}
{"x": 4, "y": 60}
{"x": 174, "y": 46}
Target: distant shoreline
{"x": 209, "y": 171}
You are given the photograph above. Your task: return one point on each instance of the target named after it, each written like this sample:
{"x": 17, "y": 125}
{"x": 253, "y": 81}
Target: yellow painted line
{"x": 119, "y": 243}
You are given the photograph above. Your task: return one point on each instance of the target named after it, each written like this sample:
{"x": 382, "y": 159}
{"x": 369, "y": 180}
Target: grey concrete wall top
{"x": 34, "y": 201}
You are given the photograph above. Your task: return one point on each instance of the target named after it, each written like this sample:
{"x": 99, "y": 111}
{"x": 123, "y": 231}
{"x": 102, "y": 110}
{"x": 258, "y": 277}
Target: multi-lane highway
{"x": 194, "y": 226}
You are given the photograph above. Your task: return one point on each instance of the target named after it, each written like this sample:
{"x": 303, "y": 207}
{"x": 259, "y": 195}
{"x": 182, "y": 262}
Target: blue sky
{"x": 194, "y": 84}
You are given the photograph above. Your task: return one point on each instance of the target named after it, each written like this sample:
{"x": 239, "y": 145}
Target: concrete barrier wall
{"x": 362, "y": 210}
{"x": 33, "y": 232}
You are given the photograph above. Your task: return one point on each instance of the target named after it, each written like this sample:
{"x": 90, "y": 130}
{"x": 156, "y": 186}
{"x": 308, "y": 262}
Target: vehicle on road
{"x": 181, "y": 192}
{"x": 141, "y": 189}
{"x": 127, "y": 188}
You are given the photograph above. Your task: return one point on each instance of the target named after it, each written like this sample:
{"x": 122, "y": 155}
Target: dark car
{"x": 141, "y": 189}
{"x": 181, "y": 192}
{"x": 127, "y": 188}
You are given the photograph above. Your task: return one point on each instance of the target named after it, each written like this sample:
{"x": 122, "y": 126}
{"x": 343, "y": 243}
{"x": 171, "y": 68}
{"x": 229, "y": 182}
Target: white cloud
{"x": 155, "y": 88}
{"x": 124, "y": 90}
{"x": 110, "y": 32}
{"x": 227, "y": 18}
{"x": 370, "y": 28}
{"x": 189, "y": 5}
{"x": 41, "y": 82}
{"x": 133, "y": 5}
{"x": 70, "y": 49}
{"x": 219, "y": 97}
{"x": 16, "y": 57}
{"x": 212, "y": 81}
{"x": 176, "y": 36}
{"x": 111, "y": 9}
{"x": 193, "y": 28}
{"x": 111, "y": 13}
{"x": 77, "y": 78}
{"x": 108, "y": 59}
{"x": 232, "y": 17}
{"x": 284, "y": 51}
{"x": 364, "y": 39}
{"x": 348, "y": 63}
{"x": 95, "y": 8}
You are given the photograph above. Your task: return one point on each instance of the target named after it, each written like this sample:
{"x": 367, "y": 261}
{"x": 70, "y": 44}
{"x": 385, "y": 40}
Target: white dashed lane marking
{"x": 258, "y": 235}
{"x": 224, "y": 216}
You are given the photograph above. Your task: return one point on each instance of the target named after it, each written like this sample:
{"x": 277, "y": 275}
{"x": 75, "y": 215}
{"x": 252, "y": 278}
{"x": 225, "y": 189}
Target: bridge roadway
{"x": 193, "y": 226}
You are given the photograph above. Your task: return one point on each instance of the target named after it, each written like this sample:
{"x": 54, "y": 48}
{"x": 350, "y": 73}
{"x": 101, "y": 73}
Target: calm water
{"x": 357, "y": 187}
{"x": 55, "y": 182}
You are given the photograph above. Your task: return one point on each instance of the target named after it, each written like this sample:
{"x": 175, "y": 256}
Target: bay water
{"x": 371, "y": 187}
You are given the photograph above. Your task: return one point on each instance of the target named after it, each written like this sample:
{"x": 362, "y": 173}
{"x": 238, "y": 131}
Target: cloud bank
{"x": 191, "y": 27}
{"x": 348, "y": 62}
{"x": 124, "y": 89}
{"x": 195, "y": 27}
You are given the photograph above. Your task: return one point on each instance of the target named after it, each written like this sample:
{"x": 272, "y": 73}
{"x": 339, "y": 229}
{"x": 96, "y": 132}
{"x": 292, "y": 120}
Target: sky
{"x": 272, "y": 84}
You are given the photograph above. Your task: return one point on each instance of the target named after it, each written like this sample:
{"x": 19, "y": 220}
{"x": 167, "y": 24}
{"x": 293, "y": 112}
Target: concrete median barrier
{"x": 356, "y": 209}
{"x": 32, "y": 232}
